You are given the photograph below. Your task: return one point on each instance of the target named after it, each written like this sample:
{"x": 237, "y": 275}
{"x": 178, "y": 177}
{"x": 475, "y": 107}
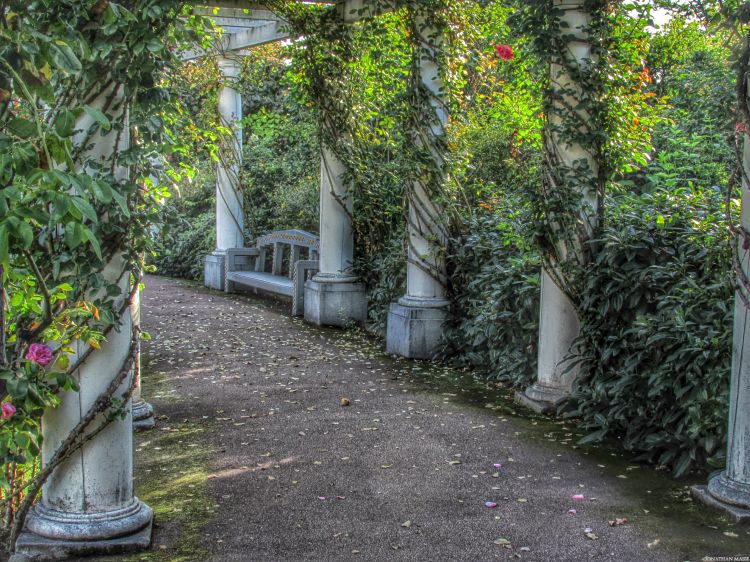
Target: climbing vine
{"x": 597, "y": 118}
{"x": 82, "y": 130}
{"x": 331, "y": 63}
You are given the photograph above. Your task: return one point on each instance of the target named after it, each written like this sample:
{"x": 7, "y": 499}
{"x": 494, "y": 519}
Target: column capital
{"x": 229, "y": 67}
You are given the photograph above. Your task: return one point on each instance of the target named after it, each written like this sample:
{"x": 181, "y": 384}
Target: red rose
{"x": 505, "y": 52}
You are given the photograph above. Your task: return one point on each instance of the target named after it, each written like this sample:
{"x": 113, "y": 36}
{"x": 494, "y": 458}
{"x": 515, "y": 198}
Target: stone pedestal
{"x": 332, "y": 300}
{"x": 35, "y": 548}
{"x": 143, "y": 415}
{"x": 214, "y": 270}
{"x": 415, "y": 327}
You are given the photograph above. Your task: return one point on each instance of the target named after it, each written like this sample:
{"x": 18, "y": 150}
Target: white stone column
{"x": 143, "y": 412}
{"x": 730, "y": 490}
{"x": 229, "y": 204}
{"x": 87, "y": 504}
{"x": 415, "y": 322}
{"x": 558, "y": 319}
{"x": 335, "y": 297}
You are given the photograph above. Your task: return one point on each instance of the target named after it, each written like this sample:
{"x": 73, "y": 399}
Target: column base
{"x": 143, "y": 415}
{"x": 332, "y": 300}
{"x": 415, "y": 326}
{"x": 214, "y": 273}
{"x": 55, "y": 535}
{"x": 541, "y": 399}
{"x": 727, "y": 495}
{"x": 705, "y": 495}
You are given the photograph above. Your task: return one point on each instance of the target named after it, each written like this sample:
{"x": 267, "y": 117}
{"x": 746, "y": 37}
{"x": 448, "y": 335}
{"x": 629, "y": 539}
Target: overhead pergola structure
{"x": 88, "y": 505}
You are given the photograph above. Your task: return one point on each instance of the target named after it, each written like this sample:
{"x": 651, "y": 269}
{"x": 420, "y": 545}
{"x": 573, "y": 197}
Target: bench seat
{"x": 246, "y": 267}
{"x": 264, "y": 281}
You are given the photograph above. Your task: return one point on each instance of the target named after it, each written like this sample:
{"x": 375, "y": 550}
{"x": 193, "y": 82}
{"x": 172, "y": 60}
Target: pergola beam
{"x": 250, "y": 37}
{"x": 248, "y": 15}
{"x": 274, "y": 31}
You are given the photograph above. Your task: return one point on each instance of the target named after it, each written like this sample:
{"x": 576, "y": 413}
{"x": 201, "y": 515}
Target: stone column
{"x": 229, "y": 212}
{"x": 87, "y": 504}
{"x": 335, "y": 297}
{"x": 558, "y": 320}
{"x": 729, "y": 491}
{"x": 143, "y": 412}
{"x": 415, "y": 322}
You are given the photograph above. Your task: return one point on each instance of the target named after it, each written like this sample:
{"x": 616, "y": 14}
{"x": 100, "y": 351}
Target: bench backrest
{"x": 291, "y": 237}
{"x": 296, "y": 239}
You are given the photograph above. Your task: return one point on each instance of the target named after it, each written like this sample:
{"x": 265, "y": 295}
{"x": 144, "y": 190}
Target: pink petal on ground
{"x": 322, "y": 498}
{"x": 490, "y": 504}
{"x": 572, "y": 511}
{"x": 579, "y": 497}
{"x": 497, "y": 465}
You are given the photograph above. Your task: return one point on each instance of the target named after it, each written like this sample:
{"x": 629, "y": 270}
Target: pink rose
{"x": 40, "y": 354}
{"x": 8, "y": 410}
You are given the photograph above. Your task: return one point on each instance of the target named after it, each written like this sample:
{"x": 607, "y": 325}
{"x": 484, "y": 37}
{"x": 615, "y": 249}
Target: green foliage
{"x": 495, "y": 311}
{"x": 656, "y": 333}
{"x": 81, "y": 120}
{"x": 188, "y": 232}
{"x": 694, "y": 143}
{"x": 281, "y": 178}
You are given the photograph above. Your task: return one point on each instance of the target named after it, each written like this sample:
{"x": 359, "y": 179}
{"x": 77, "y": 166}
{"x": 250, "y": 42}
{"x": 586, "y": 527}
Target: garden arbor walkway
{"x": 250, "y": 404}
{"x": 88, "y": 501}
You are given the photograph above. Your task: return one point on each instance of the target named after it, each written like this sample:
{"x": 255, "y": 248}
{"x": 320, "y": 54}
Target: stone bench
{"x": 246, "y": 267}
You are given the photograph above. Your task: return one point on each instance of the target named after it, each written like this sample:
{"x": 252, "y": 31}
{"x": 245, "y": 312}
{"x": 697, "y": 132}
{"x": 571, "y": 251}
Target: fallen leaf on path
{"x": 406, "y": 524}
{"x": 618, "y": 521}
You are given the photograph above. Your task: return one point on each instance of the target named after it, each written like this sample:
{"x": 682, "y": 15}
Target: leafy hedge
{"x": 657, "y": 328}
{"x": 494, "y": 316}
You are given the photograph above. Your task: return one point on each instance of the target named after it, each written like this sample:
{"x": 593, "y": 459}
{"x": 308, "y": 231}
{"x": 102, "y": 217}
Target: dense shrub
{"x": 655, "y": 343}
{"x": 495, "y": 312}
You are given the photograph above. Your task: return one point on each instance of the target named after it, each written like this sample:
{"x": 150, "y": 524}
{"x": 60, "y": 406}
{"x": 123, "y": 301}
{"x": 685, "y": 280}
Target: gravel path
{"x": 400, "y": 473}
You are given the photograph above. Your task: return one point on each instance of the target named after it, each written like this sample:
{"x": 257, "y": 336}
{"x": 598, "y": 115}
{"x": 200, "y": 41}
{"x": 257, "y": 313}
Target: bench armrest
{"x": 301, "y": 268}
{"x": 239, "y": 259}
